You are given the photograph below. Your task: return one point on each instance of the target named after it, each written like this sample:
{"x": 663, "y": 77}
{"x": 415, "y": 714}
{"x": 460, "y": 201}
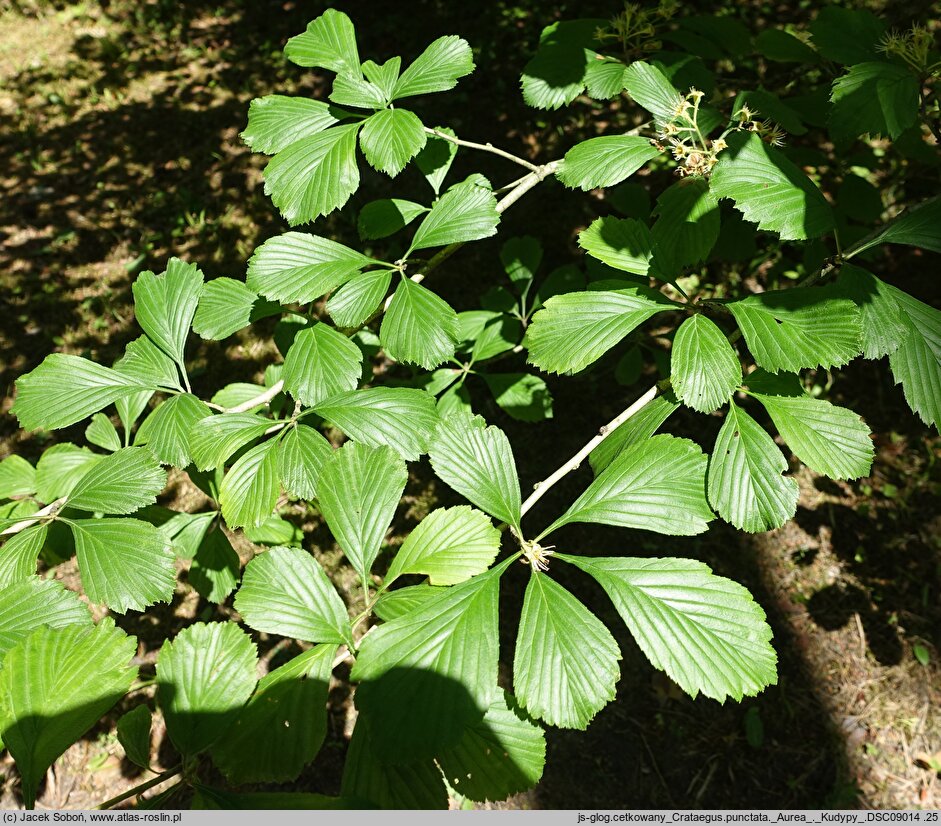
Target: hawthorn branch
{"x": 483, "y": 147}
{"x": 541, "y": 488}
{"x": 49, "y": 510}
{"x": 261, "y": 398}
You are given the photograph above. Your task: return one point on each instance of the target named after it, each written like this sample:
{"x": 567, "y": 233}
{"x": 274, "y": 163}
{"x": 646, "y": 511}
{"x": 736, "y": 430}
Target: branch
{"x": 540, "y": 488}
{"x": 141, "y": 788}
{"x": 261, "y": 398}
{"x": 521, "y": 187}
{"x": 484, "y": 147}
{"x": 49, "y": 510}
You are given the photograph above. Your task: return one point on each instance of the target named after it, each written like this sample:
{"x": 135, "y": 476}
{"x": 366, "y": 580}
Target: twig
{"x": 522, "y": 186}
{"x": 141, "y": 788}
{"x": 484, "y": 147}
{"x": 542, "y": 487}
{"x": 49, "y": 510}
{"x": 261, "y": 398}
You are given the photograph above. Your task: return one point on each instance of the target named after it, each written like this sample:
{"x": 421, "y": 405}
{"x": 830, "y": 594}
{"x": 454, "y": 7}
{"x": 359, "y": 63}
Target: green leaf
{"x": 123, "y": 482}
{"x": 17, "y": 477}
{"x": 59, "y": 469}
{"x": 385, "y": 76}
{"x": 604, "y": 79}
{"x": 225, "y": 307}
{"x": 831, "y": 440}
{"x": 554, "y": 677}
{"x": 847, "y": 36}
{"x": 770, "y": 190}
{"x": 215, "y": 438}
{"x": 65, "y": 389}
{"x": 125, "y": 563}
{"x": 521, "y": 257}
{"x": 321, "y": 363}
{"x": 315, "y": 175}
{"x": 881, "y": 319}
{"x": 521, "y": 395}
{"x": 704, "y": 368}
{"x": 391, "y": 138}
{"x": 355, "y": 302}
{"x": 650, "y": 88}
{"x": 214, "y": 571}
{"x": 19, "y": 554}
{"x": 623, "y": 243}
{"x": 358, "y": 491}
{"x": 687, "y": 226}
{"x": 145, "y": 361}
{"x": 285, "y": 591}
{"x": 418, "y": 327}
{"x": 916, "y": 227}
{"x": 640, "y": 427}
{"x": 165, "y": 305}
{"x": 556, "y": 74}
{"x": 302, "y": 454}
{"x": 54, "y": 686}
{"x": 465, "y": 212}
{"x": 657, "y": 485}
{"x": 204, "y": 676}
{"x": 133, "y": 729}
{"x": 449, "y": 545}
{"x": 297, "y": 267}
{"x": 283, "y": 724}
{"x": 250, "y": 489}
{"x": 436, "y": 158}
{"x": 706, "y": 632}
{"x": 328, "y": 43}
{"x": 353, "y": 90}
{"x": 874, "y": 98}
{"x": 276, "y": 531}
{"x": 380, "y": 219}
{"x": 916, "y": 365}
{"x": 399, "y": 417}
{"x": 500, "y": 756}
{"x": 783, "y": 47}
{"x": 32, "y": 603}
{"x": 605, "y": 161}
{"x": 575, "y": 329}
{"x": 745, "y": 482}
{"x": 166, "y": 431}
{"x": 477, "y": 461}
{"x": 277, "y": 121}
{"x": 102, "y": 433}
{"x": 436, "y": 69}
{"x": 799, "y": 328}
{"x": 427, "y": 675}
{"x": 393, "y": 604}
{"x": 417, "y": 785}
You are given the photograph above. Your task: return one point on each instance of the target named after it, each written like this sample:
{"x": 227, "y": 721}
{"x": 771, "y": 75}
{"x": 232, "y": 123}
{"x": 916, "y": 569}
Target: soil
{"x": 120, "y": 148}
